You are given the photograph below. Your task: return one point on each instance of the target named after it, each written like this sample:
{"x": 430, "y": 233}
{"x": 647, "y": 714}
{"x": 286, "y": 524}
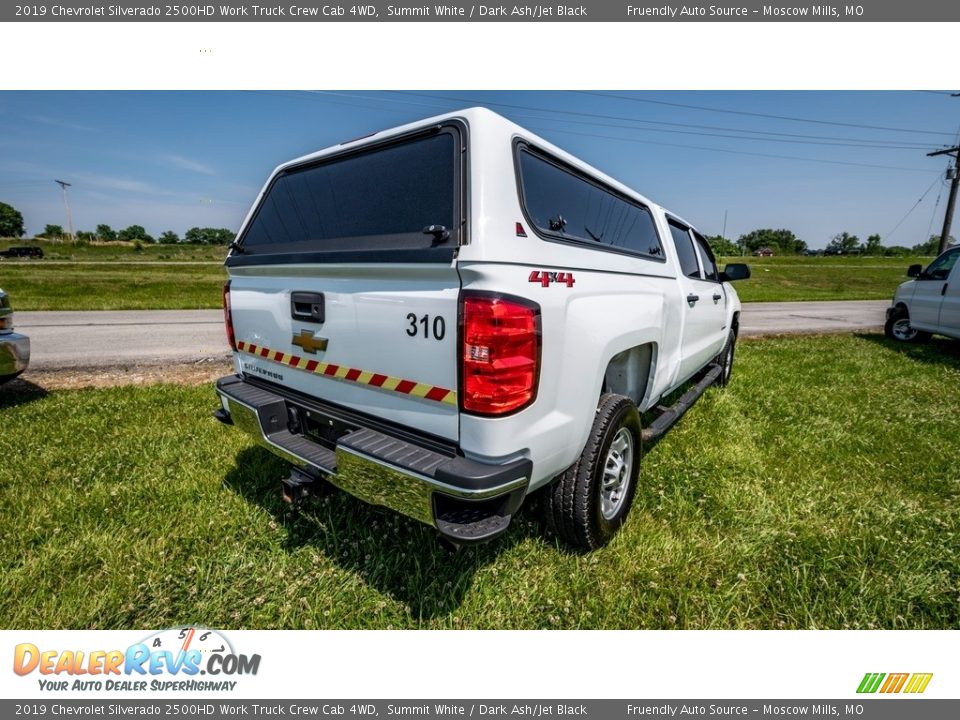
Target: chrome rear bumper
{"x": 466, "y": 501}
{"x": 14, "y": 353}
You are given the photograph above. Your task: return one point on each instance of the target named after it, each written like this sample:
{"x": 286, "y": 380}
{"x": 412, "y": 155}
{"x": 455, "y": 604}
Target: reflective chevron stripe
{"x": 360, "y": 377}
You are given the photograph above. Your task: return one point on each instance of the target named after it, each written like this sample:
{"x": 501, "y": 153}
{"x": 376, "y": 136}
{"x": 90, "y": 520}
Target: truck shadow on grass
{"x": 936, "y": 351}
{"x": 20, "y": 392}
{"x": 395, "y": 555}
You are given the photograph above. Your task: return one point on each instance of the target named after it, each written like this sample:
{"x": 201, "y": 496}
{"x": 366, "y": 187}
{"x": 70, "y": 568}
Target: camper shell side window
{"x": 564, "y": 204}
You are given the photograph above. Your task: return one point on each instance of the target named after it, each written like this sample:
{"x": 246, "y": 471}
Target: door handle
{"x": 307, "y": 307}
{"x": 717, "y": 298}
{"x": 943, "y": 290}
{"x": 691, "y": 298}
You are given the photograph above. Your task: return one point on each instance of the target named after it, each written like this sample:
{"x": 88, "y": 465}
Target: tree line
{"x": 11, "y": 225}
{"x": 780, "y": 241}
{"x": 137, "y": 233}
{"x": 785, "y": 242}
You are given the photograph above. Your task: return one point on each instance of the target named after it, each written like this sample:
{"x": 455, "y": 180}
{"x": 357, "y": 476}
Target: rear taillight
{"x": 6, "y": 323}
{"x": 228, "y": 316}
{"x": 500, "y": 353}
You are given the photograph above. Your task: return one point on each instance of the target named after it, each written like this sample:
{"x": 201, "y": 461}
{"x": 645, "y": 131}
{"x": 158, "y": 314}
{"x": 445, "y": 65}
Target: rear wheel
{"x": 589, "y": 502}
{"x": 898, "y": 328}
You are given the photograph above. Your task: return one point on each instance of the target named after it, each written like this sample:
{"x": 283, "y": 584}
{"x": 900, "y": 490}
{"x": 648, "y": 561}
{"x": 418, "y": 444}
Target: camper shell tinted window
{"x": 564, "y": 204}
{"x": 375, "y": 199}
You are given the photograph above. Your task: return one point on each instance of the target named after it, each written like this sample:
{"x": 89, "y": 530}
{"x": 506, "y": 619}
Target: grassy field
{"x": 781, "y": 279}
{"x": 120, "y": 251}
{"x": 819, "y": 490}
{"x": 119, "y": 277}
{"x": 39, "y": 285}
{"x": 115, "y": 276}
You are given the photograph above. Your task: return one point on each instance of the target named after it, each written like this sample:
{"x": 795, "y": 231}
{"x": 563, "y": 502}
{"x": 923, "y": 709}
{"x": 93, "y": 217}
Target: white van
{"x": 930, "y": 303}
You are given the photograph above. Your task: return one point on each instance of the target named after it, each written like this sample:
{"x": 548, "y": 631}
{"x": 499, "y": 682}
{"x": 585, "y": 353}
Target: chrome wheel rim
{"x": 902, "y": 330}
{"x": 617, "y": 471}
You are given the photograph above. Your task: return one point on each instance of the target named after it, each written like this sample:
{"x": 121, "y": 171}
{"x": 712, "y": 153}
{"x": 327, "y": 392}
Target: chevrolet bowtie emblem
{"x": 309, "y": 343}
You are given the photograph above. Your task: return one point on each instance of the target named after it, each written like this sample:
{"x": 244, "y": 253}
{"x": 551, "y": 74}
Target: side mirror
{"x": 915, "y": 271}
{"x": 735, "y": 271}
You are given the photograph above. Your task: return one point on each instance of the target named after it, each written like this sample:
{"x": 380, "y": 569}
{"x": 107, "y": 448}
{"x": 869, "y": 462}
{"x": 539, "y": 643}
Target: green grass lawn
{"x": 115, "y": 276}
{"x": 38, "y": 285}
{"x": 120, "y": 251}
{"x": 118, "y": 277}
{"x": 782, "y": 279}
{"x": 819, "y": 490}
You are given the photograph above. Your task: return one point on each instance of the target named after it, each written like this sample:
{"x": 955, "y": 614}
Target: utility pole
{"x": 66, "y": 204}
{"x": 953, "y": 152}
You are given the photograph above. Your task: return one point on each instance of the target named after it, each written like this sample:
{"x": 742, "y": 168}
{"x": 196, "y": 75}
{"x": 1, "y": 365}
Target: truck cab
{"x": 436, "y": 317}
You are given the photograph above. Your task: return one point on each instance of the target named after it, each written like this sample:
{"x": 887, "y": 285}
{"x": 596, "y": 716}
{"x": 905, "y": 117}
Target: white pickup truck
{"x": 445, "y": 317}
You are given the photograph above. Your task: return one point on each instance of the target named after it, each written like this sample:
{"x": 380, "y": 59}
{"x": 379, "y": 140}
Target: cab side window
{"x": 940, "y": 268}
{"x": 710, "y": 271}
{"x": 685, "y": 250}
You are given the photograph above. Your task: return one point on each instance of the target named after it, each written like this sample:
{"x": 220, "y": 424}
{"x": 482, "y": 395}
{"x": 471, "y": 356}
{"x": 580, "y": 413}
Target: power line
{"x": 934, "y": 213}
{"x": 865, "y": 144}
{"x": 609, "y": 137}
{"x": 733, "y": 152}
{"x": 914, "y": 207}
{"x": 456, "y": 100}
{"x": 763, "y": 115}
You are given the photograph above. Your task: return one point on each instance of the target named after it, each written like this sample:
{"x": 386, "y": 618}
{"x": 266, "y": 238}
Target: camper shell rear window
{"x": 369, "y": 204}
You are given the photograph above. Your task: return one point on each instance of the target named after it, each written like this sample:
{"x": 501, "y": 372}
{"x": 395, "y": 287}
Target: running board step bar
{"x": 671, "y": 415}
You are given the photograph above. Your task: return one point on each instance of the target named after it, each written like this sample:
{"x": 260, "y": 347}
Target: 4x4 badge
{"x": 309, "y": 342}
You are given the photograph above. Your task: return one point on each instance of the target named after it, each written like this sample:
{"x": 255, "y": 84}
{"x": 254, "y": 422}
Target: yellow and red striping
{"x": 354, "y": 375}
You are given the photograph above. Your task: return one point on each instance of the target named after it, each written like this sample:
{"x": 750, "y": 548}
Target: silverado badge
{"x": 309, "y": 343}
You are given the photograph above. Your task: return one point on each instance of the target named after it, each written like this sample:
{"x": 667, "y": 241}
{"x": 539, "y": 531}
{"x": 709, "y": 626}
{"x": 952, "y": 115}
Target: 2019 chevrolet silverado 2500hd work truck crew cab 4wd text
{"x": 445, "y": 317}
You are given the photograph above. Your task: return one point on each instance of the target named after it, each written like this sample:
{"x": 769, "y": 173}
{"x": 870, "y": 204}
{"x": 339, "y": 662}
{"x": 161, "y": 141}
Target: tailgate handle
{"x": 307, "y": 307}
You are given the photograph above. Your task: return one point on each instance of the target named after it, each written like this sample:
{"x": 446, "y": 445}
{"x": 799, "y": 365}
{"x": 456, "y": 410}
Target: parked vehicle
{"x": 929, "y": 303}
{"x": 14, "y": 347}
{"x": 26, "y": 251}
{"x": 763, "y": 252}
{"x": 446, "y": 317}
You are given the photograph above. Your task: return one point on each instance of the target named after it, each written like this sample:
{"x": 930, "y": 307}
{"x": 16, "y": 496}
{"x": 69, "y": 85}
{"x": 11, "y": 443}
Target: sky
{"x": 817, "y": 163}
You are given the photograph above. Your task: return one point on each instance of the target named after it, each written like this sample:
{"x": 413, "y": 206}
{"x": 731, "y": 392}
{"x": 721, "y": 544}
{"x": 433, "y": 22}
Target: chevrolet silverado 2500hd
{"x": 445, "y": 317}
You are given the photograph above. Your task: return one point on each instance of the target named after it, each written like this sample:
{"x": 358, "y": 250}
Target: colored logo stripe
{"x": 918, "y": 683}
{"x": 870, "y": 682}
{"x": 360, "y": 377}
{"x": 894, "y": 682}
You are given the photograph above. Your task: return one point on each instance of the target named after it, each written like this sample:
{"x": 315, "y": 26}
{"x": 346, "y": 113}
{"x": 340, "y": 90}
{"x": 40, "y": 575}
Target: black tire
{"x": 725, "y": 359}
{"x": 8, "y": 378}
{"x": 898, "y": 328}
{"x": 575, "y": 506}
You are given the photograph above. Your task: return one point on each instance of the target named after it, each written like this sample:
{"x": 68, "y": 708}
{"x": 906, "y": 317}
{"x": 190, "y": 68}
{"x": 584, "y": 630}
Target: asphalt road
{"x": 103, "y": 339}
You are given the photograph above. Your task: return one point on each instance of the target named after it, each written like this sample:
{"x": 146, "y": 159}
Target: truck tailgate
{"x": 383, "y": 341}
